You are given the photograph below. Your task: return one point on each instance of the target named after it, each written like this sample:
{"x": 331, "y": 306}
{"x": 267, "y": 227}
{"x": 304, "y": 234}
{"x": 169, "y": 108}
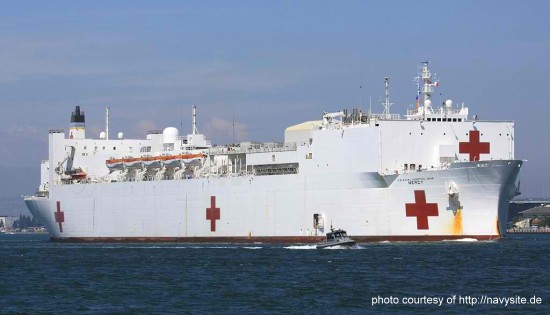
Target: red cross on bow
{"x": 212, "y": 213}
{"x": 474, "y": 147}
{"x": 59, "y": 217}
{"x": 421, "y": 210}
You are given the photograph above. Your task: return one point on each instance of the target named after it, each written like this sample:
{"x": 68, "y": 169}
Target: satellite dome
{"x": 102, "y": 135}
{"x": 121, "y": 135}
{"x": 170, "y": 131}
{"x": 428, "y": 103}
{"x": 449, "y": 103}
{"x": 170, "y": 135}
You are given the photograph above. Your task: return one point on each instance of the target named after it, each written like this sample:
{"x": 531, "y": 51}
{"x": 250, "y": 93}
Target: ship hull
{"x": 281, "y": 208}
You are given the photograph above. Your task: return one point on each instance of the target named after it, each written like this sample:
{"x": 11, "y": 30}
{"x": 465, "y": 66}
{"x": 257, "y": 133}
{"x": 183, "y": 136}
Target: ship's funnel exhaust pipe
{"x": 78, "y": 124}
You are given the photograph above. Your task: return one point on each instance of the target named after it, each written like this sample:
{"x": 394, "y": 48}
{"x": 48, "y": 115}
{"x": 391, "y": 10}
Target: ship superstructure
{"x": 433, "y": 174}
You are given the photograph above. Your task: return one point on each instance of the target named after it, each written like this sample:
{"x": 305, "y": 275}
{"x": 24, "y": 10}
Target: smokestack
{"x": 77, "y": 129}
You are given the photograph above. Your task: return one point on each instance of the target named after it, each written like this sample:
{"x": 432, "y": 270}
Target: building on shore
{"x": 540, "y": 212}
{"x": 6, "y": 222}
{"x": 533, "y": 220}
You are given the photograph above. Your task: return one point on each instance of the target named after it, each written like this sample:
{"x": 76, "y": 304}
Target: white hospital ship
{"x": 434, "y": 174}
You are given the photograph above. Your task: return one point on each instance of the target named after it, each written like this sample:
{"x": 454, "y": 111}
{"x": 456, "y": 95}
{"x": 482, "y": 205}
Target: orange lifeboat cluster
{"x": 178, "y": 160}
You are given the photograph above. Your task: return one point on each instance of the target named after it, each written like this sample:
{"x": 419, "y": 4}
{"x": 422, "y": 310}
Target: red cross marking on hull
{"x": 421, "y": 210}
{"x": 474, "y": 147}
{"x": 212, "y": 213}
{"x": 59, "y": 217}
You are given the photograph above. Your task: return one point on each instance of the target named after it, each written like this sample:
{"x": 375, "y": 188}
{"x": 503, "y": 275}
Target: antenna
{"x": 429, "y": 82}
{"x": 181, "y": 118}
{"x": 370, "y": 105}
{"x": 360, "y": 96}
{"x": 233, "y": 125}
{"x": 107, "y": 123}
{"x": 195, "y": 131}
{"x": 387, "y": 105}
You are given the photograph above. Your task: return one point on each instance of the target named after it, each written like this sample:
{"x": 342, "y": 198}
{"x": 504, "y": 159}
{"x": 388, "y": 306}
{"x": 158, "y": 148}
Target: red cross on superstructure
{"x": 59, "y": 217}
{"x": 474, "y": 147}
{"x": 421, "y": 210}
{"x": 212, "y": 213}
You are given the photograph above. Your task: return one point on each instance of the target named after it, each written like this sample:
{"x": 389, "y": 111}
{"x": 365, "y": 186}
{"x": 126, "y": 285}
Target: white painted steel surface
{"x": 362, "y": 173}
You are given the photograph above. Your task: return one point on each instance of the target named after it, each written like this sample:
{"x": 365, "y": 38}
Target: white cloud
{"x": 219, "y": 129}
{"x": 24, "y": 130}
{"x": 143, "y": 126}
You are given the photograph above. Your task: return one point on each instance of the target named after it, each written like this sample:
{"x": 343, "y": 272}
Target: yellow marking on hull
{"x": 456, "y": 227}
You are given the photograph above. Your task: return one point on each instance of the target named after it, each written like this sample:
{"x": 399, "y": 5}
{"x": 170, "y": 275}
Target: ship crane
{"x": 68, "y": 161}
{"x": 68, "y": 172}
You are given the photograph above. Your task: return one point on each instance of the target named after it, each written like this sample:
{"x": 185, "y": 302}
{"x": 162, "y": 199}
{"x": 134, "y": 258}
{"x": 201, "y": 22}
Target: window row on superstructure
{"x": 444, "y": 119}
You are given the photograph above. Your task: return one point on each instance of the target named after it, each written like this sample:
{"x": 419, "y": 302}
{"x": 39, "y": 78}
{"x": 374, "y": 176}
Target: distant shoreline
{"x": 13, "y": 233}
{"x": 528, "y": 231}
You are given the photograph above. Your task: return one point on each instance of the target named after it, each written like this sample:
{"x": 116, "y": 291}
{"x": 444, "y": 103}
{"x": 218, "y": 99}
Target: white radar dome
{"x": 121, "y": 135}
{"x": 102, "y": 135}
{"x": 449, "y": 103}
{"x": 170, "y": 135}
{"x": 427, "y": 103}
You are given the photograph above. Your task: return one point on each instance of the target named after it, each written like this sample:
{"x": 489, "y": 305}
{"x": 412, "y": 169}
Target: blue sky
{"x": 275, "y": 63}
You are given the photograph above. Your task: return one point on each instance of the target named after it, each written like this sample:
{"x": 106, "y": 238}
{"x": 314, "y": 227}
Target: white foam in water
{"x": 302, "y": 247}
{"x": 337, "y": 247}
{"x": 346, "y": 247}
{"x": 315, "y": 247}
{"x": 252, "y": 247}
{"x": 463, "y": 240}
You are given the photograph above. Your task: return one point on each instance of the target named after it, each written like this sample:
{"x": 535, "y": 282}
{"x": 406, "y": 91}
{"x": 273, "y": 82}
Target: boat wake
{"x": 345, "y": 247}
{"x": 315, "y": 247}
{"x": 301, "y": 247}
{"x": 462, "y": 240}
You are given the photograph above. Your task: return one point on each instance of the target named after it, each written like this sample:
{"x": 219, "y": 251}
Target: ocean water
{"x": 41, "y": 277}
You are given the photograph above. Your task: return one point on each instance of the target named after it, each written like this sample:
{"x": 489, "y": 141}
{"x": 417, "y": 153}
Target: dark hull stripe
{"x": 271, "y": 239}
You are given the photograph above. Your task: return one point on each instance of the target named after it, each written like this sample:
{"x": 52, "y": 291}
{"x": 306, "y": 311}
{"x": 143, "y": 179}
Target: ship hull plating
{"x": 468, "y": 200}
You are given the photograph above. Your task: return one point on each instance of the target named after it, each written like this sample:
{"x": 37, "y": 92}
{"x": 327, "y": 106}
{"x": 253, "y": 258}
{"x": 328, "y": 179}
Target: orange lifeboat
{"x": 133, "y": 163}
{"x": 179, "y": 160}
{"x": 115, "y": 164}
{"x": 151, "y": 162}
{"x": 79, "y": 174}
